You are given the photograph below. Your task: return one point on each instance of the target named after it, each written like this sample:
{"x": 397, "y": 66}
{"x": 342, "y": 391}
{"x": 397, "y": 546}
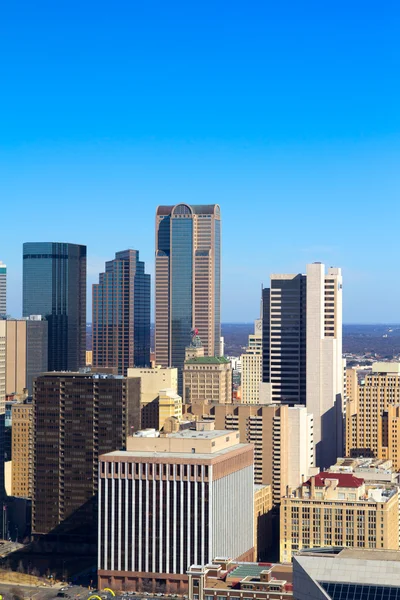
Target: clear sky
{"x": 286, "y": 113}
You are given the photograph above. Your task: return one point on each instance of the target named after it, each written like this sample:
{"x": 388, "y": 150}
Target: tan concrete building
{"x": 302, "y": 363}
{"x": 373, "y": 416}
{"x": 252, "y": 366}
{"x": 226, "y": 578}
{"x": 89, "y": 358}
{"x": 177, "y": 496}
{"x": 22, "y": 450}
{"x": 169, "y": 405}
{"x": 339, "y": 509}
{"x": 351, "y": 383}
{"x": 26, "y": 352}
{"x": 207, "y": 378}
{"x": 282, "y": 438}
{"x": 152, "y": 381}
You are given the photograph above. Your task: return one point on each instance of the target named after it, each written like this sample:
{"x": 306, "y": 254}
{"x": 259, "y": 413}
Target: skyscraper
{"x": 188, "y": 273}
{"x": 3, "y": 289}
{"x": 77, "y": 417}
{"x": 302, "y": 351}
{"x": 54, "y": 286}
{"x": 121, "y": 314}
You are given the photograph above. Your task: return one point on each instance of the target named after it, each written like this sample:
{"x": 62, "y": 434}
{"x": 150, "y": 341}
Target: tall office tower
{"x": 373, "y": 415}
{"x": 252, "y": 366}
{"x": 22, "y": 449}
{"x": 54, "y": 286}
{"x": 282, "y": 436}
{"x": 302, "y": 351}
{"x": 188, "y": 274}
{"x": 2, "y": 417}
{"x": 121, "y": 314}
{"x": 26, "y": 353}
{"x": 3, "y": 289}
{"x": 170, "y": 502}
{"x": 77, "y": 417}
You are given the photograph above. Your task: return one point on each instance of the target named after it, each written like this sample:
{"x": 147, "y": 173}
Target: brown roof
{"x": 346, "y": 480}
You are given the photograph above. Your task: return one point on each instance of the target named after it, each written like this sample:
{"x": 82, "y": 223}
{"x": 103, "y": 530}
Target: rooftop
{"x": 345, "y": 480}
{"x": 207, "y": 360}
{"x": 130, "y": 456}
{"x": 386, "y": 367}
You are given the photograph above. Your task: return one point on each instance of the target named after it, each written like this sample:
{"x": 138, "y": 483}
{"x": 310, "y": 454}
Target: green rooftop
{"x": 250, "y": 570}
{"x": 207, "y": 360}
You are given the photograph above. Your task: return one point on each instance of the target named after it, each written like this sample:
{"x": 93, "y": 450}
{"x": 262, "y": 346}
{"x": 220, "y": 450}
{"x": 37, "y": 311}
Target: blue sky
{"x": 285, "y": 113}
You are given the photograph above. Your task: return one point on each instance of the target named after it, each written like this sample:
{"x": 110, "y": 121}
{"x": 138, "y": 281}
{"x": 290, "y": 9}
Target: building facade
{"x": 77, "y": 417}
{"x": 339, "y": 509}
{"x": 282, "y": 438}
{"x": 252, "y": 366}
{"x": 302, "y": 351}
{"x": 346, "y": 573}
{"x": 26, "y": 353}
{"x": 188, "y": 280}
{"x": 373, "y": 415}
{"x": 167, "y": 503}
{"x": 54, "y": 286}
{"x": 227, "y": 578}
{"x": 152, "y": 381}
{"x": 121, "y": 314}
{"x": 22, "y": 449}
{"x": 3, "y": 289}
{"x": 207, "y": 378}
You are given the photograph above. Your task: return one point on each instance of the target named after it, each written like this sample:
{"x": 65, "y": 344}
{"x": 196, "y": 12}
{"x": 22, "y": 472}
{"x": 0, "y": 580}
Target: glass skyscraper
{"x": 121, "y": 314}
{"x": 188, "y": 274}
{"x": 54, "y": 286}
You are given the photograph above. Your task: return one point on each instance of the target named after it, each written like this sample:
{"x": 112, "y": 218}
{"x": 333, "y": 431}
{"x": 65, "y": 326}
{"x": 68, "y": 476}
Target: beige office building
{"x": 207, "y": 378}
{"x": 26, "y": 352}
{"x": 339, "y": 509}
{"x": 22, "y": 450}
{"x": 252, "y": 367}
{"x": 373, "y": 415}
{"x": 302, "y": 351}
{"x": 282, "y": 438}
{"x": 187, "y": 281}
{"x": 172, "y": 501}
{"x": 152, "y": 381}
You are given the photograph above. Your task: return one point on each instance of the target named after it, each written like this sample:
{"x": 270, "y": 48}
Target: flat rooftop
{"x": 131, "y": 456}
{"x": 352, "y": 565}
{"x": 192, "y": 434}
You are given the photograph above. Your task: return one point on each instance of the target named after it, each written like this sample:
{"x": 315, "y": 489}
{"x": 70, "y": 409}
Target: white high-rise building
{"x": 3, "y": 289}
{"x": 302, "y": 351}
{"x": 252, "y": 366}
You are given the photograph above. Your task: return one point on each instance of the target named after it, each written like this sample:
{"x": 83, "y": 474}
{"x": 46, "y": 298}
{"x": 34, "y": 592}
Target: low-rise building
{"x": 226, "y": 578}
{"x": 339, "y": 509}
{"x": 352, "y": 573}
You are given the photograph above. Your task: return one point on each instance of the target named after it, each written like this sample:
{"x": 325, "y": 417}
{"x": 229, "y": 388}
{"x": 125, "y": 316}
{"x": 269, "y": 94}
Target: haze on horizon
{"x": 283, "y": 113}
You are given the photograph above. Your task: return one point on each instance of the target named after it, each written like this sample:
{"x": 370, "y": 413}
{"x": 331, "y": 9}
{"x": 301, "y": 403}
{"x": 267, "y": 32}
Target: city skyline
{"x": 285, "y": 115}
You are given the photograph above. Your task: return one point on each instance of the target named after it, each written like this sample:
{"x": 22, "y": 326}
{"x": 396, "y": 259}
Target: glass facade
{"x": 181, "y": 288}
{"x": 54, "y": 286}
{"x": 359, "y": 591}
{"x": 121, "y": 314}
